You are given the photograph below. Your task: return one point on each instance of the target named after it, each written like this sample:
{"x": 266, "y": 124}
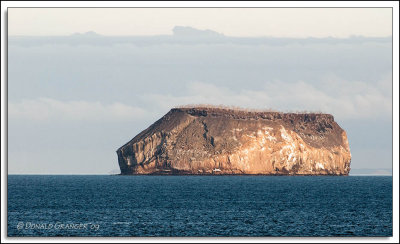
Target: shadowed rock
{"x": 210, "y": 140}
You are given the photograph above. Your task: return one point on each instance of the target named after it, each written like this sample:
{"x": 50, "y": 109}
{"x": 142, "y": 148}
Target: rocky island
{"x": 213, "y": 140}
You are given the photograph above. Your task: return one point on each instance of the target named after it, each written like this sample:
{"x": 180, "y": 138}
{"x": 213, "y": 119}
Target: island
{"x": 204, "y": 140}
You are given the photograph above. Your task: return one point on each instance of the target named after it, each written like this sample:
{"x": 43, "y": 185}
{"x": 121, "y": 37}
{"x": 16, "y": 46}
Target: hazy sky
{"x": 74, "y": 100}
{"x": 276, "y": 22}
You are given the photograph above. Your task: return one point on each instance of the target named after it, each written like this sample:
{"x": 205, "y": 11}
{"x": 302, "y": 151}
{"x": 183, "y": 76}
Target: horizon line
{"x": 221, "y": 36}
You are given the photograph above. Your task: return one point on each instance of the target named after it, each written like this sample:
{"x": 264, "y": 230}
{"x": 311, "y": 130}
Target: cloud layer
{"x": 49, "y": 110}
{"x": 343, "y": 99}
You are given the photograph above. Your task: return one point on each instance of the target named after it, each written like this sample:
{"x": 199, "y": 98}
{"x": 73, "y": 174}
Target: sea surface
{"x": 112, "y": 205}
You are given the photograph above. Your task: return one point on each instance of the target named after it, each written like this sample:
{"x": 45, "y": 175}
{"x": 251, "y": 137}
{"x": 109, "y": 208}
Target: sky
{"x": 78, "y": 90}
{"x": 250, "y": 22}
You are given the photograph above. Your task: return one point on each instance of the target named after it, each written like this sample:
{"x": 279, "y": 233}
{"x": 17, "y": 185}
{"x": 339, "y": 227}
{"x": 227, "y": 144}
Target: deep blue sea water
{"x": 102, "y": 205}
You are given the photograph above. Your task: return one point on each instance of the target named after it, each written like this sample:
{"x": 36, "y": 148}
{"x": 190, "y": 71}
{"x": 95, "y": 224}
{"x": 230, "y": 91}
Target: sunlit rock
{"x": 210, "y": 140}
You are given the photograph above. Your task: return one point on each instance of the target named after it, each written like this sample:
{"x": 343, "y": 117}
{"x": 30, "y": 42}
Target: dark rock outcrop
{"x": 204, "y": 140}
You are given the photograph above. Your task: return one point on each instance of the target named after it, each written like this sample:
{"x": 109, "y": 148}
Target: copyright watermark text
{"x": 57, "y": 226}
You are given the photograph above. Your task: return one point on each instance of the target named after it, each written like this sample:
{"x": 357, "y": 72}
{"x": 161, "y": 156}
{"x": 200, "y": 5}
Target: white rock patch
{"x": 285, "y": 135}
{"x": 319, "y": 165}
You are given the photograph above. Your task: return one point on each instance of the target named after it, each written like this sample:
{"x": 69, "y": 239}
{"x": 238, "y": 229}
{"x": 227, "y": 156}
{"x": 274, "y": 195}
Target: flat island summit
{"x": 207, "y": 140}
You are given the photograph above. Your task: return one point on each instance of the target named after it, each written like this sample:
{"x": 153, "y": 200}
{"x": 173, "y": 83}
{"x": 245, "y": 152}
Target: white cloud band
{"x": 47, "y": 109}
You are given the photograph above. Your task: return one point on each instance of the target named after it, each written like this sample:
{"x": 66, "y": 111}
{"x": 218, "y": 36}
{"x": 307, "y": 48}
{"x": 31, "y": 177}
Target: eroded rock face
{"x": 224, "y": 141}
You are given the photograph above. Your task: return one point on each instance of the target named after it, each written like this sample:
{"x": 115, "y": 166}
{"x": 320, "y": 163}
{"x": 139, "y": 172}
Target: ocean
{"x": 199, "y": 206}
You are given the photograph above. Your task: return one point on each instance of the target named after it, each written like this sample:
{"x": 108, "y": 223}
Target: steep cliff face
{"x": 225, "y": 141}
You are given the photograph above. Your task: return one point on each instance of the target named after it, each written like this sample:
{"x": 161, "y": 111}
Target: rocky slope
{"x": 204, "y": 140}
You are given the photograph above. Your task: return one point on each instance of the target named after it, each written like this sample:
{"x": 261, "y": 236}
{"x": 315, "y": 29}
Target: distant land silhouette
{"x": 182, "y": 35}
